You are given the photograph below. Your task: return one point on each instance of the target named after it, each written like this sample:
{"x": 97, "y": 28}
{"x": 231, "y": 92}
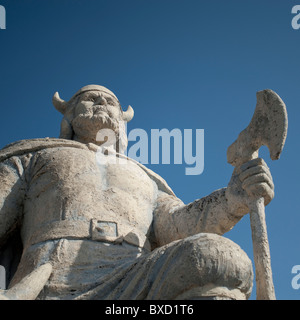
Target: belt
{"x": 96, "y": 230}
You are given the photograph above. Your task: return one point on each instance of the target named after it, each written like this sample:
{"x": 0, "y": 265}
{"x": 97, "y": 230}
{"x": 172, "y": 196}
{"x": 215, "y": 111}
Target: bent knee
{"x": 206, "y": 259}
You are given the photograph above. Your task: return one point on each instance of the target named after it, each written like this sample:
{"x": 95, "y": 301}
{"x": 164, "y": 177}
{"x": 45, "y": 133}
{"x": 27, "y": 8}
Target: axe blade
{"x": 268, "y": 127}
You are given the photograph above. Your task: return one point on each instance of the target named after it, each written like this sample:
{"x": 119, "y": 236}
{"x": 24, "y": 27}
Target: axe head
{"x": 268, "y": 127}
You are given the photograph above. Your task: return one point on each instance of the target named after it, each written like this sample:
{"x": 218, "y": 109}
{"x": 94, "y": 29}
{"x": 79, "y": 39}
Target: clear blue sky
{"x": 180, "y": 64}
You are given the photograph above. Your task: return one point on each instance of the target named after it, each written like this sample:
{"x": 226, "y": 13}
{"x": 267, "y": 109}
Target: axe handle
{"x": 261, "y": 250}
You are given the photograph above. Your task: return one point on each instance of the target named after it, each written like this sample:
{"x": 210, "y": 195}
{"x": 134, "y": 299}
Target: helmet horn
{"x": 59, "y": 104}
{"x": 128, "y": 115}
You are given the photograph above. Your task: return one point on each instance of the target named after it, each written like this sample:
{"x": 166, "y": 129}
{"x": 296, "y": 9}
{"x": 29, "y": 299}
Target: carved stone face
{"x": 93, "y": 111}
{"x": 98, "y": 102}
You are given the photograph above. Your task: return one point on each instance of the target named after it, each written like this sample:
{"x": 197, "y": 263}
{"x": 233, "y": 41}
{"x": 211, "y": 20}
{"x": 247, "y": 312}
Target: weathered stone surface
{"x": 268, "y": 127}
{"x": 30, "y": 286}
{"x": 116, "y": 230}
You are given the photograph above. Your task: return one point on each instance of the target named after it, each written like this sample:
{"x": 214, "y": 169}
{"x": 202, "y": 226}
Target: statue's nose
{"x": 101, "y": 100}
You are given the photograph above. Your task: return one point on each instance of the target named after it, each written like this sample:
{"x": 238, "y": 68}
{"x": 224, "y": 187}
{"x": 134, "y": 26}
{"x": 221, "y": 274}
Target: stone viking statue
{"x": 71, "y": 229}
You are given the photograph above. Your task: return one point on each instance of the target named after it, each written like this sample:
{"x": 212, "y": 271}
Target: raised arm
{"x": 175, "y": 220}
{"x": 215, "y": 213}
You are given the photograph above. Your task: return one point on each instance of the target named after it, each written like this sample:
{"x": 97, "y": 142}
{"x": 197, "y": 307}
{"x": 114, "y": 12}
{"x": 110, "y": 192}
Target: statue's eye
{"x": 92, "y": 99}
{"x": 110, "y": 101}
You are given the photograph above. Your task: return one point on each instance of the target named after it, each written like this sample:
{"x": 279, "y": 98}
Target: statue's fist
{"x": 252, "y": 180}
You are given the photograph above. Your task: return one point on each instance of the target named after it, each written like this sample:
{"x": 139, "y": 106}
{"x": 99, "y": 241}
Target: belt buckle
{"x": 104, "y": 230}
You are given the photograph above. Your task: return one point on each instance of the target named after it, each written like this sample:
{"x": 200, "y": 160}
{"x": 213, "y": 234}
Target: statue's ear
{"x": 59, "y": 103}
{"x": 66, "y": 130}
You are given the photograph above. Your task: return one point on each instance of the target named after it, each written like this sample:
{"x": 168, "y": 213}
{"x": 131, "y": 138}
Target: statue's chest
{"x": 76, "y": 175}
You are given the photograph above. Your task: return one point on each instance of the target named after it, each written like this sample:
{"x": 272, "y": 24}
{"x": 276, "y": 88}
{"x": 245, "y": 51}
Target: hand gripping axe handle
{"x": 268, "y": 127}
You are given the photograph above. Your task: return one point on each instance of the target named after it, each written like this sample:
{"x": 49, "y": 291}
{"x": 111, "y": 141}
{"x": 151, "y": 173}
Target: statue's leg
{"x": 205, "y": 266}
